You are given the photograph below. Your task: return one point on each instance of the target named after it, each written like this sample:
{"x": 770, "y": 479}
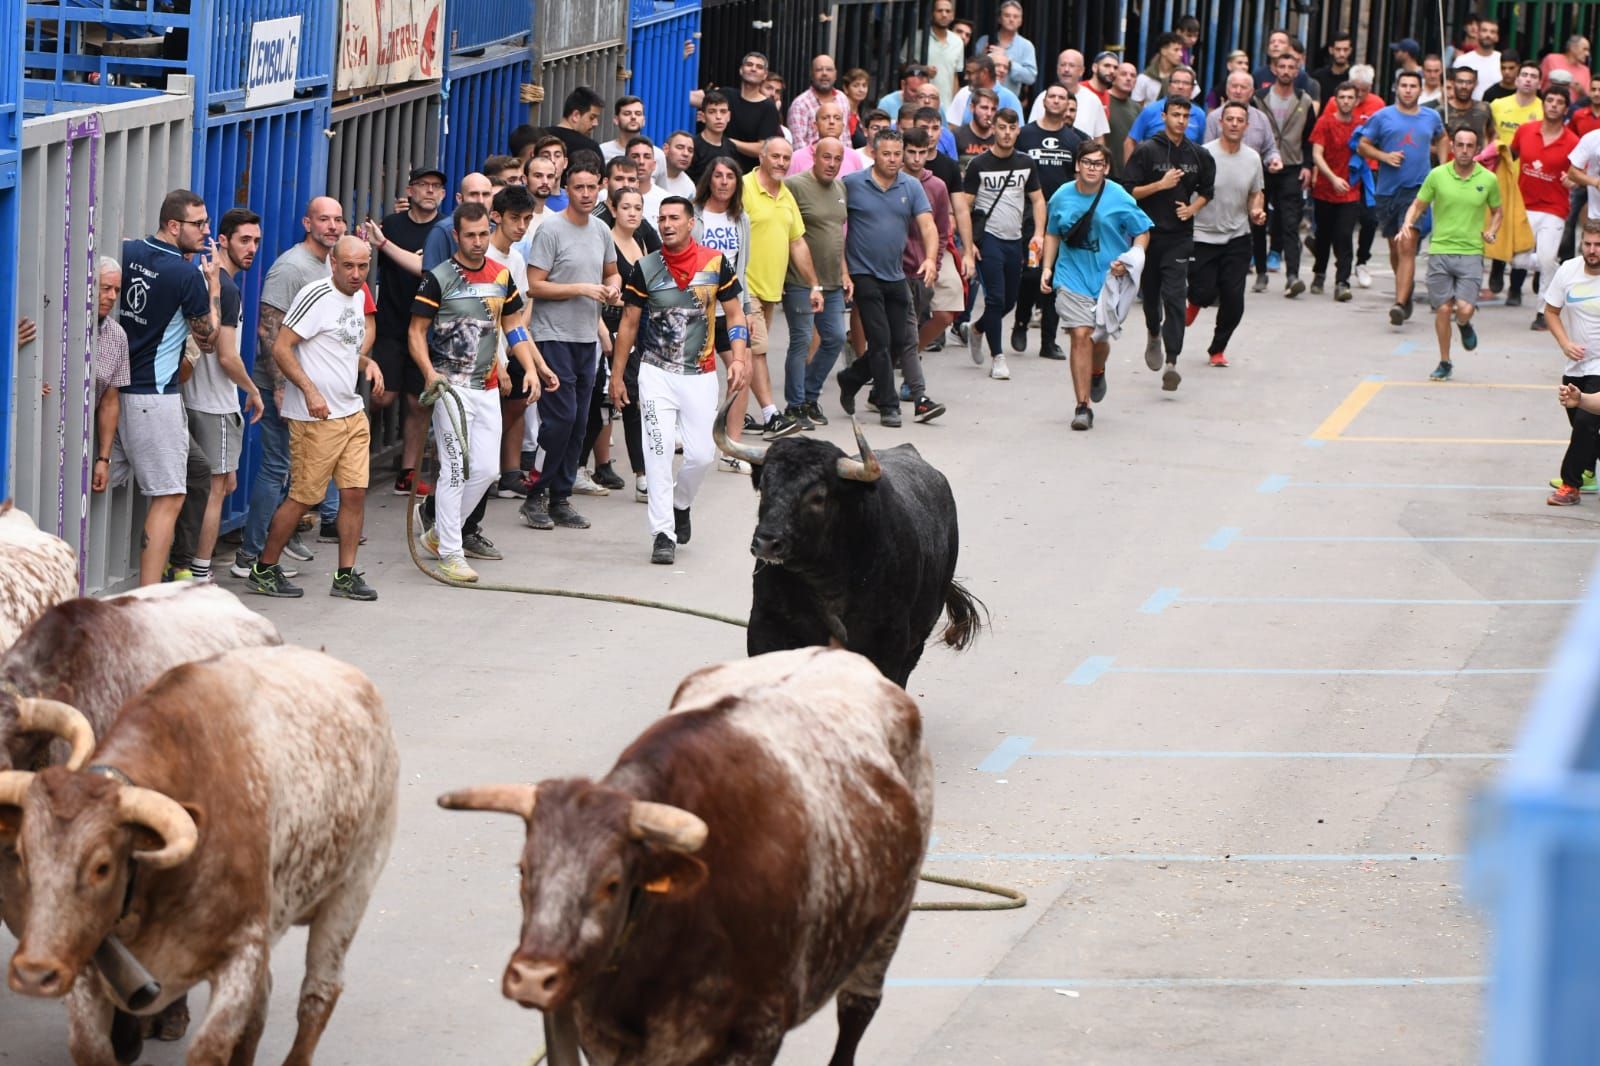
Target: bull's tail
{"x": 967, "y": 615}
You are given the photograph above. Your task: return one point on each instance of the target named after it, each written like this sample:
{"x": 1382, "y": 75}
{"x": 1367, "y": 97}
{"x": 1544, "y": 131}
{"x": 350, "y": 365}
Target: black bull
{"x": 860, "y": 553}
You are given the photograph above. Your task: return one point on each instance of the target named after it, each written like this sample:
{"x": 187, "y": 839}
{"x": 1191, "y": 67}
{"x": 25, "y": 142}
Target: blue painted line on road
{"x": 1160, "y": 600}
{"x": 1112, "y": 984}
{"x": 1007, "y": 752}
{"x": 1381, "y": 486}
{"x": 1374, "y": 377}
{"x": 1396, "y": 756}
{"x": 1088, "y": 856}
{"x": 1359, "y": 601}
{"x": 1403, "y": 348}
{"x": 1314, "y": 442}
{"x": 1090, "y": 670}
{"x": 1222, "y": 538}
{"x": 1274, "y": 483}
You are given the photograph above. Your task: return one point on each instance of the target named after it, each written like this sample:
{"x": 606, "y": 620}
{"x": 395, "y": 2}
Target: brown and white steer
{"x": 93, "y": 654}
{"x": 750, "y": 856}
{"x": 231, "y": 799}
{"x": 37, "y": 569}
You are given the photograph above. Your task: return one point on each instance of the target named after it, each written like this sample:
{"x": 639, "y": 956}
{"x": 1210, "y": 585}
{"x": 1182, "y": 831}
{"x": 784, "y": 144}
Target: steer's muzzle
{"x": 769, "y": 547}
{"x": 44, "y": 978}
{"x": 540, "y": 983}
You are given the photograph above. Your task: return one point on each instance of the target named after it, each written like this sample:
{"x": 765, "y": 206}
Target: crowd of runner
{"x": 569, "y": 284}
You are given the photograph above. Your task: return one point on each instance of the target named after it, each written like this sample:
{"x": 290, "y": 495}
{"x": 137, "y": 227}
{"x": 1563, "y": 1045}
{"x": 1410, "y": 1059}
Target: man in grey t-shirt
{"x": 292, "y": 271}
{"x": 1221, "y": 262}
{"x": 572, "y": 269}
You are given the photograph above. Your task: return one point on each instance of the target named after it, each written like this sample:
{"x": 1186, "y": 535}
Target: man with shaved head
{"x": 830, "y": 123}
{"x": 1091, "y": 118}
{"x": 292, "y": 271}
{"x": 475, "y": 188}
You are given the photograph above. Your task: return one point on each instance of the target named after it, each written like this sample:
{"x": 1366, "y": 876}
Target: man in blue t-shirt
{"x": 166, "y": 299}
{"x": 1151, "y": 121}
{"x": 1077, "y": 257}
{"x": 1402, "y": 139}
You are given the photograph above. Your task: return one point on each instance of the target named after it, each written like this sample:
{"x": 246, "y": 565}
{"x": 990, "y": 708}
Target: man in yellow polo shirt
{"x": 777, "y": 236}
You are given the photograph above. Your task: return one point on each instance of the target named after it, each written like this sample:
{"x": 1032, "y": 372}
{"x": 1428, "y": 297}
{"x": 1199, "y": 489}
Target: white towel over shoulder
{"x": 1116, "y": 295}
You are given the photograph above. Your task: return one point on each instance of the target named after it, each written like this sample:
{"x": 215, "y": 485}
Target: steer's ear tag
{"x": 660, "y": 885}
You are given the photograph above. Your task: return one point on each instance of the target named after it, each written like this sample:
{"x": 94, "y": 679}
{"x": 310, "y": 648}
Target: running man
{"x": 1401, "y": 138}
{"x": 1572, "y": 311}
{"x": 997, "y": 186}
{"x": 669, "y": 298}
{"x": 1222, "y": 239}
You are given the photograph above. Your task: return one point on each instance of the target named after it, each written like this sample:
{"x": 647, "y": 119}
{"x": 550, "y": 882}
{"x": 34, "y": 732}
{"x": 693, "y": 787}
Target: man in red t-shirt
{"x": 1335, "y": 201}
{"x": 1587, "y": 118}
{"x": 1543, "y": 148}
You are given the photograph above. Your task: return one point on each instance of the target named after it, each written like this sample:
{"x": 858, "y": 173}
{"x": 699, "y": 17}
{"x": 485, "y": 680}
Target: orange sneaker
{"x": 1219, "y": 359}
{"x": 1565, "y": 496}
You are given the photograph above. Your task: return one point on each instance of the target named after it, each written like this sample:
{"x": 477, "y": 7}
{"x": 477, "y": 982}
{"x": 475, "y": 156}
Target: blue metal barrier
{"x": 1536, "y": 867}
{"x": 64, "y": 43}
{"x": 481, "y": 108}
{"x": 662, "y": 76}
{"x": 271, "y": 160}
{"x": 10, "y": 204}
{"x": 473, "y": 25}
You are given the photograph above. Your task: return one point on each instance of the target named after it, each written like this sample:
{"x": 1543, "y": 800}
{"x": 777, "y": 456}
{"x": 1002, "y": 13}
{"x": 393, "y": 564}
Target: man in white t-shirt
{"x": 322, "y": 351}
{"x": 1485, "y": 58}
{"x": 640, "y": 151}
{"x": 511, "y": 212}
{"x": 674, "y": 180}
{"x": 1572, "y": 312}
{"x": 1585, "y": 169}
{"x": 628, "y": 117}
{"x": 1091, "y": 120}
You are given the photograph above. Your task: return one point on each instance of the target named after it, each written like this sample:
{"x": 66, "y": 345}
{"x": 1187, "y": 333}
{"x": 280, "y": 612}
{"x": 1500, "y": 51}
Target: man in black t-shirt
{"x": 1052, "y": 143}
{"x": 580, "y": 115}
{"x": 713, "y": 138}
{"x": 398, "y": 246}
{"x": 754, "y": 118}
{"x": 999, "y": 187}
{"x": 974, "y": 138}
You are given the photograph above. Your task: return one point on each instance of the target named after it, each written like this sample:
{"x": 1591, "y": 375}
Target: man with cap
{"x": 1407, "y": 55}
{"x": 1485, "y": 58}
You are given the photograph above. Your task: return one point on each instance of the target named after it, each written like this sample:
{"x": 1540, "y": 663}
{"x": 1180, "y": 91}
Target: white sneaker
{"x": 584, "y": 485}
{"x": 998, "y": 370}
{"x": 1363, "y": 277}
{"x": 641, "y": 489}
{"x": 455, "y": 568}
{"x": 729, "y": 465}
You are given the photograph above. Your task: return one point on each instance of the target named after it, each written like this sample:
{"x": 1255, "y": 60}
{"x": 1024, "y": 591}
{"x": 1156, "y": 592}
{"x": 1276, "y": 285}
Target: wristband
{"x": 516, "y": 336}
{"x": 102, "y": 459}
{"x": 739, "y": 333}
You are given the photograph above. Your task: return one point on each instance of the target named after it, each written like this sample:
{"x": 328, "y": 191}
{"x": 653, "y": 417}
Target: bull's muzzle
{"x": 769, "y": 547}
{"x": 537, "y": 983}
{"x": 44, "y": 978}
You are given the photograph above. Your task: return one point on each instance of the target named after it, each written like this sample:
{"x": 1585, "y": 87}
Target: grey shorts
{"x": 220, "y": 437}
{"x": 1074, "y": 309}
{"x": 152, "y": 444}
{"x": 1454, "y": 277}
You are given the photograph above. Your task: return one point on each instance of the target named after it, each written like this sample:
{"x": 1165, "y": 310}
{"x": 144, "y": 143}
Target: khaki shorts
{"x": 757, "y": 321}
{"x": 948, "y": 295}
{"x": 333, "y": 448}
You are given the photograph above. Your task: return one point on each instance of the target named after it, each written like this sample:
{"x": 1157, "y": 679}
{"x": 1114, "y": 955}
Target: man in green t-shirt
{"x": 1459, "y": 192}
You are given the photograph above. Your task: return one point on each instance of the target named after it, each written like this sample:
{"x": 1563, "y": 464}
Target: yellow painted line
{"x": 1444, "y": 440}
{"x": 1346, "y": 412}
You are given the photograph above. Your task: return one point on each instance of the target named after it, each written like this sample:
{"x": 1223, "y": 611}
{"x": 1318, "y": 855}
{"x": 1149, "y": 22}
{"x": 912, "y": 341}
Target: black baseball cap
{"x": 418, "y": 173}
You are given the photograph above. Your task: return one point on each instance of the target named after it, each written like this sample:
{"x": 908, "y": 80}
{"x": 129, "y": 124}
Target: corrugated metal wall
{"x": 662, "y": 76}
{"x": 89, "y": 180}
{"x": 10, "y": 220}
{"x": 481, "y": 107}
{"x": 581, "y": 44}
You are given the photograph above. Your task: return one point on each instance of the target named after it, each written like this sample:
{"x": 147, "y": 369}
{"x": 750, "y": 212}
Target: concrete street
{"x": 1251, "y": 658}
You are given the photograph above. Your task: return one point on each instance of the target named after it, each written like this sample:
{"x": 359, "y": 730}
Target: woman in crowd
{"x": 721, "y": 224}
{"x": 627, "y": 208}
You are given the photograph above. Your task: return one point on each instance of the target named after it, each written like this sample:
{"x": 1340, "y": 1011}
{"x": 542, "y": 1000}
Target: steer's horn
{"x": 507, "y": 799}
{"x": 62, "y": 719}
{"x": 163, "y": 816}
{"x": 866, "y": 468}
{"x": 738, "y": 449}
{"x": 13, "y": 786}
{"x": 671, "y": 827}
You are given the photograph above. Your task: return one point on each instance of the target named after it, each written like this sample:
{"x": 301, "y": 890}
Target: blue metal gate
{"x": 10, "y": 204}
{"x": 481, "y": 107}
{"x": 662, "y": 74}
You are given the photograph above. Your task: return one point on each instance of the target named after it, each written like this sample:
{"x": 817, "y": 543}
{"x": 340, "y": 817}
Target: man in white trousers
{"x": 461, "y": 307}
{"x": 670, "y": 298}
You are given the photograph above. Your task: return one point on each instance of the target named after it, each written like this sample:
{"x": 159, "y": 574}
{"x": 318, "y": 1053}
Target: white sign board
{"x": 274, "y": 58}
{"x": 390, "y": 42}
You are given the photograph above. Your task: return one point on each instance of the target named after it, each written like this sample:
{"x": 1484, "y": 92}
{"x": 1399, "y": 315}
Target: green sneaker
{"x": 1588, "y": 482}
{"x": 269, "y": 581}
{"x": 352, "y": 585}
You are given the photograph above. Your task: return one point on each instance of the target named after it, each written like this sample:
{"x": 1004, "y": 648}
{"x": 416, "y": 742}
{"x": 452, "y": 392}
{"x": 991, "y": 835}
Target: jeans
{"x": 271, "y": 485}
{"x": 1285, "y": 204}
{"x": 802, "y": 381}
{"x": 1029, "y": 297}
{"x": 1336, "y": 224}
{"x": 1165, "y": 287}
{"x": 882, "y": 306}
{"x": 1001, "y": 269}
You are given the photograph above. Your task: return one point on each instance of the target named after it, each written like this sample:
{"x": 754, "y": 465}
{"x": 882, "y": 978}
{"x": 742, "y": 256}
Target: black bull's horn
{"x": 867, "y": 468}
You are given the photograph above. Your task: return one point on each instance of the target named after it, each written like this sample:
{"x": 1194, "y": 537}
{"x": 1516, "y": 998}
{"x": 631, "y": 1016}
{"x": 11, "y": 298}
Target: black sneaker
{"x": 564, "y": 515}
{"x": 1051, "y": 351}
{"x": 798, "y": 413}
{"x": 351, "y": 585}
{"x": 1408, "y": 307}
{"x": 927, "y": 409}
{"x": 1260, "y": 285}
{"x": 1019, "y": 337}
{"x": 1469, "y": 336}
{"x": 1083, "y": 418}
{"x": 607, "y": 477}
{"x": 269, "y": 581}
{"x": 814, "y": 413}
{"x": 1316, "y": 284}
{"x": 780, "y": 425}
{"x": 1397, "y": 315}
{"x": 751, "y": 425}
{"x": 329, "y": 534}
{"x": 1539, "y": 324}
{"x": 1097, "y": 387}
{"x": 935, "y": 345}
{"x": 663, "y": 552}
{"x": 478, "y": 546}
{"x": 847, "y": 394}
{"x": 511, "y": 485}
{"x": 1441, "y": 372}
{"x": 242, "y": 563}
{"x": 889, "y": 418}
{"x": 962, "y": 331}
{"x": 535, "y": 512}
{"x": 1513, "y": 299}
{"x": 680, "y": 524}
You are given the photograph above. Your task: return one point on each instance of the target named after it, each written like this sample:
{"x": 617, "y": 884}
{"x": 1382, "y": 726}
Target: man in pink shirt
{"x": 803, "y": 111}
{"x": 1575, "y": 61}
{"x": 829, "y": 122}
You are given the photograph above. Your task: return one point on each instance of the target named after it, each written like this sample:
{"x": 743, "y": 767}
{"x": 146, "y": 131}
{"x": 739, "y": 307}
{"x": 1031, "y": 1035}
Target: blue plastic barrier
{"x": 662, "y": 76}
{"x": 1536, "y": 866}
{"x": 481, "y": 108}
{"x": 10, "y": 203}
{"x": 473, "y": 24}
{"x": 211, "y": 42}
{"x": 271, "y": 160}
